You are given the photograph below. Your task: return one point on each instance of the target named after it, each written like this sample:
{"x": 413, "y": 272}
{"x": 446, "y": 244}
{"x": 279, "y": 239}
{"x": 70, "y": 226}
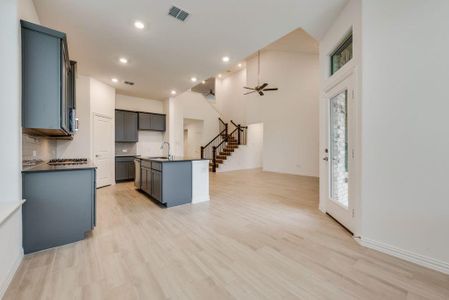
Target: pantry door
{"x": 103, "y": 145}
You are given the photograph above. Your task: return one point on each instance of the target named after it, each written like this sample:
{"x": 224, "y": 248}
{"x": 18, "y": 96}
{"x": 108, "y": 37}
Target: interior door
{"x": 339, "y": 153}
{"x": 103, "y": 149}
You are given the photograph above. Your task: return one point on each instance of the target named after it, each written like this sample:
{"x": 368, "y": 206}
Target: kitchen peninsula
{"x": 174, "y": 181}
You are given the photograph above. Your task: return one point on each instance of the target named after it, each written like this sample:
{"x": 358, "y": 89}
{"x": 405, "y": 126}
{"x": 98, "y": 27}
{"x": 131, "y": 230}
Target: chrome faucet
{"x": 170, "y": 157}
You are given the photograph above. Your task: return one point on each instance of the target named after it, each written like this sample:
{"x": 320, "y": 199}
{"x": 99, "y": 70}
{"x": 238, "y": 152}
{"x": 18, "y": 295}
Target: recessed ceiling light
{"x": 219, "y": 75}
{"x": 123, "y": 60}
{"x": 114, "y": 80}
{"x": 173, "y": 92}
{"x": 139, "y": 25}
{"x": 203, "y": 82}
{"x": 193, "y": 79}
{"x": 239, "y": 65}
{"x": 225, "y": 59}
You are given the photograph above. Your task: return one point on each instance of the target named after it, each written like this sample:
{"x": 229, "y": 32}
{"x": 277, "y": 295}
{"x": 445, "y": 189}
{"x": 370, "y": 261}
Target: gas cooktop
{"x": 67, "y": 161}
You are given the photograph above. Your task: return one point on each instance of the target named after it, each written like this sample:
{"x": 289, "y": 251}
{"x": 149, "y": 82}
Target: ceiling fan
{"x": 259, "y": 88}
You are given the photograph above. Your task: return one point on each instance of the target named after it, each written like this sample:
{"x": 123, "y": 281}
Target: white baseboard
{"x": 4, "y": 285}
{"x": 418, "y": 259}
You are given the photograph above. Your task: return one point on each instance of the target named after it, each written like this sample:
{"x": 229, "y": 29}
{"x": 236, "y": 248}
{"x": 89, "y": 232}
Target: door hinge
{"x": 352, "y": 153}
{"x": 353, "y": 213}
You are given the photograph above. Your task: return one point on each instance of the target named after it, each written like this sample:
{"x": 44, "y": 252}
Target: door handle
{"x": 326, "y": 158}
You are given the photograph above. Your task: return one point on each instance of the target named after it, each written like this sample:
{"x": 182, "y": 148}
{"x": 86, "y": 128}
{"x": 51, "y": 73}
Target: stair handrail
{"x": 241, "y": 126}
{"x": 242, "y": 134}
{"x": 216, "y": 137}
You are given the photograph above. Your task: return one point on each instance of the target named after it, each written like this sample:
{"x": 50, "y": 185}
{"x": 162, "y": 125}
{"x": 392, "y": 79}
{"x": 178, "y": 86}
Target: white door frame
{"x": 95, "y": 115}
{"x": 336, "y": 84}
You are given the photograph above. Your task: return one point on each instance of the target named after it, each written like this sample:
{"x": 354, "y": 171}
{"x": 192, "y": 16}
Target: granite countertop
{"x": 127, "y": 155}
{"x": 175, "y": 159}
{"x": 44, "y": 167}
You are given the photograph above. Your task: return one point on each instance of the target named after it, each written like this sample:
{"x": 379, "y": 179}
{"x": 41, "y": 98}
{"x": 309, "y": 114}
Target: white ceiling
{"x": 168, "y": 52}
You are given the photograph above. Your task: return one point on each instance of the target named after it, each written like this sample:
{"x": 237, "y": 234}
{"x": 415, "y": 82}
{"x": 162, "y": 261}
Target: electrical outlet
{"x": 34, "y": 153}
{"x": 125, "y": 150}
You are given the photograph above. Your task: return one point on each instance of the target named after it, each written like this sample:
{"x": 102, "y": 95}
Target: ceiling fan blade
{"x": 262, "y": 86}
{"x": 261, "y": 93}
{"x": 271, "y": 89}
{"x": 249, "y": 93}
{"x": 248, "y": 88}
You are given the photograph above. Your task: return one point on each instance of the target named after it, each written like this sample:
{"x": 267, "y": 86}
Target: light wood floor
{"x": 260, "y": 237}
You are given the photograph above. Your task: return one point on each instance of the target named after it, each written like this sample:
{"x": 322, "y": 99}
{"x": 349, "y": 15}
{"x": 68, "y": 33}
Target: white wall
{"x": 11, "y": 251}
{"x": 248, "y": 156}
{"x": 190, "y": 105}
{"x": 102, "y": 98}
{"x": 229, "y": 100}
{"x": 139, "y": 104}
{"x": 290, "y": 115}
{"x": 405, "y": 128}
{"x": 149, "y": 143}
{"x": 193, "y": 132}
{"x": 27, "y": 11}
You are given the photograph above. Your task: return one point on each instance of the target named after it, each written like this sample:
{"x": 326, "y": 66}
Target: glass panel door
{"x": 338, "y": 149}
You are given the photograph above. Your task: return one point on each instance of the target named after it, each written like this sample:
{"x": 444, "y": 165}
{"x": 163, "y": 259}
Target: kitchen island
{"x": 174, "y": 181}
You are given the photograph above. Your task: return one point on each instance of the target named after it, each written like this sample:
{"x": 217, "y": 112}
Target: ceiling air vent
{"x": 178, "y": 13}
{"x": 129, "y": 82}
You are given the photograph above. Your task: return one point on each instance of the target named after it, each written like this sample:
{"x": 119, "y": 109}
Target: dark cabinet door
{"x": 156, "y": 186}
{"x": 130, "y": 126}
{"x": 72, "y": 97}
{"x": 119, "y": 121}
{"x": 126, "y": 126}
{"x": 148, "y": 183}
{"x": 121, "y": 170}
{"x": 157, "y": 122}
{"x": 149, "y": 121}
{"x": 144, "y": 121}
{"x": 131, "y": 170}
{"x": 45, "y": 76}
{"x": 143, "y": 179}
{"x": 146, "y": 180}
{"x": 65, "y": 65}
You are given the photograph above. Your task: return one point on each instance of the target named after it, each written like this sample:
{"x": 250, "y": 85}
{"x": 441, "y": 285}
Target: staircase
{"x": 224, "y": 144}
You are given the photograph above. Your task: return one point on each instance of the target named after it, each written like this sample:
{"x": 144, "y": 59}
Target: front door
{"x": 103, "y": 141}
{"x": 339, "y": 153}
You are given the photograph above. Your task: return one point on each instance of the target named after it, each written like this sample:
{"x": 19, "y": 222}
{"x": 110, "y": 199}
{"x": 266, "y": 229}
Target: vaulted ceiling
{"x": 167, "y": 52}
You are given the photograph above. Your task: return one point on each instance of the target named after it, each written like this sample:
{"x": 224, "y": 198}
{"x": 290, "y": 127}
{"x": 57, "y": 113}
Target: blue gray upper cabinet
{"x": 151, "y": 121}
{"x": 126, "y": 126}
{"x": 48, "y": 82}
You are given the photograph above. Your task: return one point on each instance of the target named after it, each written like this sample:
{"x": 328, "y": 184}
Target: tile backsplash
{"x": 149, "y": 144}
{"x": 37, "y": 147}
{"x": 125, "y": 148}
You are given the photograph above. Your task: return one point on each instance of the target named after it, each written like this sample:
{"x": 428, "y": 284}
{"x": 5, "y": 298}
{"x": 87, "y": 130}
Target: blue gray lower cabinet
{"x": 60, "y": 207}
{"x": 170, "y": 183}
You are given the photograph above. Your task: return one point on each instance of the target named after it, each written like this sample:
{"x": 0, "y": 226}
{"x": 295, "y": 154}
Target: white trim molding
{"x": 418, "y": 259}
